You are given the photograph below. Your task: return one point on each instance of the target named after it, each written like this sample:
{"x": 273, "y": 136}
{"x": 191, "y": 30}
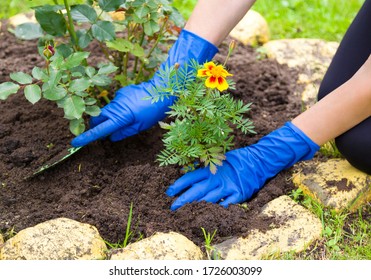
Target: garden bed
{"x": 98, "y": 184}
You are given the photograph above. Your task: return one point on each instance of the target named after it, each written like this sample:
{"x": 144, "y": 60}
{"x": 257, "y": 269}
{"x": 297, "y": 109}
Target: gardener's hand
{"x": 128, "y": 113}
{"x": 245, "y": 170}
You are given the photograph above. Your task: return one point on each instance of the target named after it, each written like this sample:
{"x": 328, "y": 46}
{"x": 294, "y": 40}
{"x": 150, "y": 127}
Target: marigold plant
{"x": 203, "y": 117}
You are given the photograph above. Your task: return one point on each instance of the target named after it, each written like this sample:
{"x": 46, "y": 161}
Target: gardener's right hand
{"x": 128, "y": 113}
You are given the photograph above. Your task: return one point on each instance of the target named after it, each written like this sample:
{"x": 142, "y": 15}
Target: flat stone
{"x": 160, "y": 246}
{"x": 22, "y": 18}
{"x": 58, "y": 239}
{"x": 296, "y": 228}
{"x": 334, "y": 183}
{"x": 311, "y": 57}
{"x": 253, "y": 29}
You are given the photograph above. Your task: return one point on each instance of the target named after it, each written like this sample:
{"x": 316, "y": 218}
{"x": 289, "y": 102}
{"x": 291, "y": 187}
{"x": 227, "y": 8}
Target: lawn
{"x": 324, "y": 19}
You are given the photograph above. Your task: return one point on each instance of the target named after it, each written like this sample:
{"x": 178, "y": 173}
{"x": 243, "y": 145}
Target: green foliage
{"x": 130, "y": 233}
{"x": 134, "y": 39}
{"x": 203, "y": 119}
{"x": 322, "y": 19}
{"x": 345, "y": 235}
{"x": 329, "y": 149}
{"x": 64, "y": 81}
{"x": 208, "y": 247}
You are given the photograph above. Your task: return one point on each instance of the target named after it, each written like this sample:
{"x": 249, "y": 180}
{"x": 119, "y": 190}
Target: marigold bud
{"x": 48, "y": 51}
{"x": 232, "y": 45}
{"x": 176, "y": 66}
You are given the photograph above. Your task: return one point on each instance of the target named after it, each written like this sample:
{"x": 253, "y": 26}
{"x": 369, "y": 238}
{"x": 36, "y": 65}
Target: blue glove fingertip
{"x": 170, "y": 191}
{"x": 77, "y": 142}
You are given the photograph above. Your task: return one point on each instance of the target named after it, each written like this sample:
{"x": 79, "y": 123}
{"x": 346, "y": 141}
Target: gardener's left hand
{"x": 245, "y": 170}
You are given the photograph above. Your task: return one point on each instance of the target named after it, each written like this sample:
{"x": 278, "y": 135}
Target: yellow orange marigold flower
{"x": 216, "y": 76}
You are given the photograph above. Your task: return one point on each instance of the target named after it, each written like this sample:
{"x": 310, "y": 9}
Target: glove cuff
{"x": 191, "y": 46}
{"x": 312, "y": 146}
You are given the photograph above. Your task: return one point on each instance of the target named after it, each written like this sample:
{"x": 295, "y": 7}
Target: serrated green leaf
{"x": 74, "y": 60}
{"x": 137, "y": 50}
{"x": 39, "y": 74}
{"x": 79, "y": 85}
{"x": 120, "y": 44}
{"x": 90, "y": 101}
{"x": 56, "y": 60}
{"x": 103, "y": 31}
{"x": 32, "y": 93}
{"x": 92, "y": 110}
{"x": 142, "y": 11}
{"x": 77, "y": 126}
{"x": 73, "y": 106}
{"x": 151, "y": 27}
{"x": 28, "y": 31}
{"x": 177, "y": 18}
{"x": 54, "y": 78}
{"x": 21, "y": 78}
{"x": 107, "y": 69}
{"x": 82, "y": 93}
{"x": 90, "y": 71}
{"x": 8, "y": 88}
{"x": 50, "y": 8}
{"x": 84, "y": 38}
{"x": 83, "y": 13}
{"x": 54, "y": 93}
{"x": 51, "y": 22}
{"x": 101, "y": 80}
{"x": 110, "y": 5}
{"x": 76, "y": 74}
{"x": 64, "y": 50}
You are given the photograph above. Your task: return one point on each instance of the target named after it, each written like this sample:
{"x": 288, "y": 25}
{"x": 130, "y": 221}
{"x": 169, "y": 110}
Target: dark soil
{"x": 98, "y": 184}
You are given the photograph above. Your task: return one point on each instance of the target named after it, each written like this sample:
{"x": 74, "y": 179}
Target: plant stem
{"x": 106, "y": 99}
{"x": 71, "y": 28}
{"x": 161, "y": 33}
{"x": 128, "y": 232}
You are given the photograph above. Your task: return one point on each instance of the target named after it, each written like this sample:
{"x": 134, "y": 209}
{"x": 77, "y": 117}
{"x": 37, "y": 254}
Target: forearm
{"x": 214, "y": 19}
{"x": 340, "y": 110}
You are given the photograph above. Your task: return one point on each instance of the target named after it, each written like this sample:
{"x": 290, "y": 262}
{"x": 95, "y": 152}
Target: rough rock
{"x": 161, "y": 246}
{"x": 334, "y": 183}
{"x": 1, "y": 240}
{"x": 253, "y": 29}
{"x": 58, "y": 239}
{"x": 295, "y": 228}
{"x": 310, "y": 56}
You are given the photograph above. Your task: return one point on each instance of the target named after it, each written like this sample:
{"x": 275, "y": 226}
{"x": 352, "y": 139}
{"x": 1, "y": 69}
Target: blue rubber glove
{"x": 128, "y": 114}
{"x": 245, "y": 170}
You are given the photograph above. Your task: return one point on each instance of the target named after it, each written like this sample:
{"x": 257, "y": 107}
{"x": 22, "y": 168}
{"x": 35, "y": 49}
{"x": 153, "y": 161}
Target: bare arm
{"x": 340, "y": 110}
{"x": 213, "y": 20}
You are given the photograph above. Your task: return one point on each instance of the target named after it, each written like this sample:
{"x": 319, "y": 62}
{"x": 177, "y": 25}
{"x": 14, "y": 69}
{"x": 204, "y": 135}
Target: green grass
{"x": 345, "y": 236}
{"x": 324, "y": 19}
